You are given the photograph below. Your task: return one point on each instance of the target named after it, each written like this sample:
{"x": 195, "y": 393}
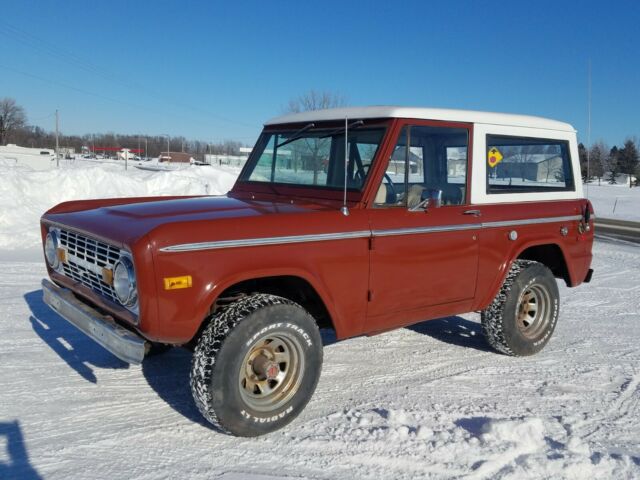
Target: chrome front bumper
{"x": 122, "y": 343}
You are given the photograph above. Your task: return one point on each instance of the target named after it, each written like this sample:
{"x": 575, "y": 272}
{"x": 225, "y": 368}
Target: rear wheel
{"x": 523, "y": 316}
{"x": 256, "y": 365}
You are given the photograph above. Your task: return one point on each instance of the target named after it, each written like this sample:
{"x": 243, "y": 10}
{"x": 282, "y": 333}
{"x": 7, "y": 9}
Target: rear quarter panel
{"x": 497, "y": 251}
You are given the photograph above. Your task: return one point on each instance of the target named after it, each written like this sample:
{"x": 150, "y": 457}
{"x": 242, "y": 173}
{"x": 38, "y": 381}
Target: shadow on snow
{"x": 15, "y": 464}
{"x": 71, "y": 345}
{"x": 168, "y": 375}
{"x": 455, "y": 331}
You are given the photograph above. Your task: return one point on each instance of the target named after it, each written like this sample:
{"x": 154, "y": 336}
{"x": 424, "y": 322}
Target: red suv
{"x": 360, "y": 220}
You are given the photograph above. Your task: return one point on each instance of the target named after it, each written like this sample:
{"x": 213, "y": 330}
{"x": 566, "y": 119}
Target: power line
{"x": 49, "y": 49}
{"x": 97, "y": 95}
{"x": 71, "y": 87}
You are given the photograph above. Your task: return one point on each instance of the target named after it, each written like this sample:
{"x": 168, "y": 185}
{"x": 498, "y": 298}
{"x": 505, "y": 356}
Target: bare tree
{"x": 12, "y": 117}
{"x": 313, "y": 100}
{"x": 314, "y": 154}
{"x": 597, "y": 157}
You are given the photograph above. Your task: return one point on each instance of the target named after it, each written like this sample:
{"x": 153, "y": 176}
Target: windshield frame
{"x": 243, "y": 184}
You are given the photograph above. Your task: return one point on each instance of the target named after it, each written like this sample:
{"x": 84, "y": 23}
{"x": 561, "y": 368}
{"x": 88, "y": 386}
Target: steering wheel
{"x": 360, "y": 175}
{"x": 392, "y": 188}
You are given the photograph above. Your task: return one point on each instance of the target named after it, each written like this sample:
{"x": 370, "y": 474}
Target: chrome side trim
{"x": 418, "y": 230}
{"x": 530, "y": 221}
{"x": 254, "y": 242}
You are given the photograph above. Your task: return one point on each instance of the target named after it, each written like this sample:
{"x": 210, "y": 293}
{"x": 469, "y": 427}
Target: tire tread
{"x": 492, "y": 318}
{"x": 210, "y": 342}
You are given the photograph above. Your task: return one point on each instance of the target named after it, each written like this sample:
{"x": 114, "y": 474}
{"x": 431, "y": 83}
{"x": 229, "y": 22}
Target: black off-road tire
{"x": 502, "y": 322}
{"x": 220, "y": 361}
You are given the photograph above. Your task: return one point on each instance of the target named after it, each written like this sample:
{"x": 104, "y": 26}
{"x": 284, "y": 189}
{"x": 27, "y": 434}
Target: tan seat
{"x": 381, "y": 196}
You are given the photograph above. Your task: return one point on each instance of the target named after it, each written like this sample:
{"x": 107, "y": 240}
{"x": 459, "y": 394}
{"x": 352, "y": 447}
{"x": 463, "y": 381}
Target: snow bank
{"x": 614, "y": 201}
{"x": 474, "y": 447}
{"x": 25, "y": 194}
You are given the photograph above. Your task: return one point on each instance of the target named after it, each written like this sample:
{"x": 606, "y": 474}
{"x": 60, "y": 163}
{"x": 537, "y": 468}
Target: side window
{"x": 522, "y": 165}
{"x": 426, "y": 162}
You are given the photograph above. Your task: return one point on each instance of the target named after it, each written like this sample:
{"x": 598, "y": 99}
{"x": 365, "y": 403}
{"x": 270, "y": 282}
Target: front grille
{"x": 86, "y": 258}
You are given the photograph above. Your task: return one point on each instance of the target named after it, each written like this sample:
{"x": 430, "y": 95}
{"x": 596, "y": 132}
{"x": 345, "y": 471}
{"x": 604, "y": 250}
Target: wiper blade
{"x": 356, "y": 124}
{"x": 296, "y": 135}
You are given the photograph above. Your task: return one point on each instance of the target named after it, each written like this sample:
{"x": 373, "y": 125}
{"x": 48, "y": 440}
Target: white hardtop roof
{"x": 468, "y": 116}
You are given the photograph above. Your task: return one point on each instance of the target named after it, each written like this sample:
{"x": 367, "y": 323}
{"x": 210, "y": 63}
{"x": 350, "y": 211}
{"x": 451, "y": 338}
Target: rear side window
{"x": 523, "y": 165}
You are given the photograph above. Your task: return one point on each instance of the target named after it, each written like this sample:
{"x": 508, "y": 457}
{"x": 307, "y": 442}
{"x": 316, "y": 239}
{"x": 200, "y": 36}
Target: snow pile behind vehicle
{"x": 26, "y": 193}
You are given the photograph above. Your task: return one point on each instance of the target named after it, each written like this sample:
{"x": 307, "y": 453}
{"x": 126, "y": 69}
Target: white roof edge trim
{"x": 451, "y": 115}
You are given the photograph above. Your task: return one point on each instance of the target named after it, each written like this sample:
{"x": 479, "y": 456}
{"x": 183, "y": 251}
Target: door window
{"x": 426, "y": 161}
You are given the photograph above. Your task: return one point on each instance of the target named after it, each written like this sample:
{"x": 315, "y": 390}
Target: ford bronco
{"x": 360, "y": 220}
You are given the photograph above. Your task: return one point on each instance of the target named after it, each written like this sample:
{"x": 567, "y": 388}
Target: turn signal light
{"x": 61, "y": 253}
{"x": 107, "y": 276}
{"x": 174, "y": 283}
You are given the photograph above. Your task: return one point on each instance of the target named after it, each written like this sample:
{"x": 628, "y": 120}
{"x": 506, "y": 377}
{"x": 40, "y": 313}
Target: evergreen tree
{"x": 596, "y": 160}
{"x": 612, "y": 165}
{"x": 584, "y": 168}
{"x": 628, "y": 159}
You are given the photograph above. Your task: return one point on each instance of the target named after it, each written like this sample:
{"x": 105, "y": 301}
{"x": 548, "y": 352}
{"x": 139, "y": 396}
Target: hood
{"x": 125, "y": 223}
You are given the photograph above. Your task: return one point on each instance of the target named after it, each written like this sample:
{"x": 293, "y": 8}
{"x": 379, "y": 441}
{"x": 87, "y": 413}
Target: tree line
{"x": 604, "y": 163}
{"x": 598, "y": 163}
{"x": 15, "y": 129}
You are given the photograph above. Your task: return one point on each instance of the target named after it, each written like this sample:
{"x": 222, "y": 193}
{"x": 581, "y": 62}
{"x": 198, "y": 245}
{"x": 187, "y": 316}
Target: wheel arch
{"x": 550, "y": 254}
{"x": 293, "y": 285}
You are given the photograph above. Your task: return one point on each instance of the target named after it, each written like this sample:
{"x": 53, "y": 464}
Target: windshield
{"x": 314, "y": 157}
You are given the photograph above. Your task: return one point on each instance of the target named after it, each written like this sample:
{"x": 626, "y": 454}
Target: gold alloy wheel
{"x": 533, "y": 311}
{"x": 271, "y": 371}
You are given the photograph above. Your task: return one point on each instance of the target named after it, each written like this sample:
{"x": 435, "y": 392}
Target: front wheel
{"x": 523, "y": 316}
{"x": 256, "y": 365}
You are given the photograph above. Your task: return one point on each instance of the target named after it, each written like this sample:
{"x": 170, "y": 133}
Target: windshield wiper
{"x": 351, "y": 126}
{"x": 296, "y": 135}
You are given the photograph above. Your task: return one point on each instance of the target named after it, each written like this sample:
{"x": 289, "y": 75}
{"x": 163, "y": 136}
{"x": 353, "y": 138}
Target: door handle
{"x": 475, "y": 213}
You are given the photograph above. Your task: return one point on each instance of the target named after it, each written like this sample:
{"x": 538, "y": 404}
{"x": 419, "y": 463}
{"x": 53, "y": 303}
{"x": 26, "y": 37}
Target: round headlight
{"x": 124, "y": 282}
{"x": 51, "y": 249}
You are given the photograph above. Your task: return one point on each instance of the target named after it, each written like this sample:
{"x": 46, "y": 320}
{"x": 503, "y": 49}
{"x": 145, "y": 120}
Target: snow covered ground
{"x": 430, "y": 401}
{"x": 427, "y": 401}
{"x": 614, "y": 201}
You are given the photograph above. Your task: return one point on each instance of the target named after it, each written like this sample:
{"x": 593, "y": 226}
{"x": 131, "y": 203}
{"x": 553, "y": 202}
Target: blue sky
{"x": 213, "y": 70}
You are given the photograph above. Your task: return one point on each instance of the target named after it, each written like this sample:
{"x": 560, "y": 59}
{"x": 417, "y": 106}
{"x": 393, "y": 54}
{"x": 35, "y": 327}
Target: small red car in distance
{"x": 360, "y": 220}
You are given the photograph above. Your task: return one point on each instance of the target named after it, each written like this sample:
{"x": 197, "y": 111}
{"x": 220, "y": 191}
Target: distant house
{"x": 236, "y": 160}
{"x": 538, "y": 167}
{"x": 66, "y": 152}
{"x": 398, "y": 159}
{"x": 175, "y": 157}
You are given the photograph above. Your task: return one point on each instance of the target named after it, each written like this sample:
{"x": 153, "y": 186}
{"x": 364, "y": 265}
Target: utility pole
{"x": 588, "y": 126}
{"x": 57, "y": 143}
{"x": 168, "y": 150}
{"x": 145, "y": 148}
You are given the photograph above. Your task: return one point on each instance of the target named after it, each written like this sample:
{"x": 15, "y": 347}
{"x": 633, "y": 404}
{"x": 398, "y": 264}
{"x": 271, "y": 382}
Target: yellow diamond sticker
{"x": 494, "y": 157}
